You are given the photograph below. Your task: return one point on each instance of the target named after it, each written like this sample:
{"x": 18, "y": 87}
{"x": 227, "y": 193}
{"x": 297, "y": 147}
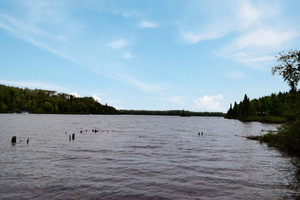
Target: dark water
{"x": 139, "y": 157}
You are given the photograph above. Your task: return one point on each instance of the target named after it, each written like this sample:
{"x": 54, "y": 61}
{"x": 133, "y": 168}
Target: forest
{"x": 16, "y": 100}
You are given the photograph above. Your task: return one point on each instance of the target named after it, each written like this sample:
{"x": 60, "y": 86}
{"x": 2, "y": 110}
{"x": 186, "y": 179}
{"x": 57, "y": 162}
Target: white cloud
{"x": 257, "y": 47}
{"x": 96, "y": 98}
{"x": 252, "y": 60}
{"x": 254, "y": 32}
{"x": 75, "y": 94}
{"x": 144, "y": 86}
{"x": 3, "y": 26}
{"x": 206, "y": 21}
{"x": 117, "y": 44}
{"x": 127, "y": 55}
{"x": 195, "y": 37}
{"x": 209, "y": 103}
{"x": 248, "y": 14}
{"x": 148, "y": 24}
{"x": 220, "y": 21}
{"x": 263, "y": 38}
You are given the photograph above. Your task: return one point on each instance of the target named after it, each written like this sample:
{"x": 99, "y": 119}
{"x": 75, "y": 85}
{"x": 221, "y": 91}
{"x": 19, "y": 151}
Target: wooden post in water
{"x": 73, "y": 136}
{"x": 14, "y": 139}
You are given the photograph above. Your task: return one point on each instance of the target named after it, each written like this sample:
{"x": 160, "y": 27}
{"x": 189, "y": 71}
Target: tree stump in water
{"x": 14, "y": 139}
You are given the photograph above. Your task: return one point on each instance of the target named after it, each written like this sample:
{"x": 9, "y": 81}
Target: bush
{"x": 287, "y": 138}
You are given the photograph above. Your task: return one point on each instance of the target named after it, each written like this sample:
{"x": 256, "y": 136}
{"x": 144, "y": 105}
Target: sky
{"x": 198, "y": 55}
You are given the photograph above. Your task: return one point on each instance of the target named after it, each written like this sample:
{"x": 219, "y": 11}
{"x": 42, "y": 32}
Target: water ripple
{"x": 140, "y": 157}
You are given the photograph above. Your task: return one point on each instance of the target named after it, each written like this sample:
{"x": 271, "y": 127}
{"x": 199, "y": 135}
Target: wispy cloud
{"x": 32, "y": 34}
{"x": 117, "y": 44}
{"x": 256, "y": 48}
{"x": 254, "y": 32}
{"x": 200, "y": 24}
{"x": 248, "y": 14}
{"x": 127, "y": 13}
{"x": 195, "y": 37}
{"x": 263, "y": 38}
{"x": 33, "y": 85}
{"x": 142, "y": 85}
{"x": 235, "y": 74}
{"x": 148, "y": 24}
{"x": 232, "y": 17}
{"x": 251, "y": 59}
{"x": 69, "y": 44}
{"x": 127, "y": 55}
{"x": 5, "y": 27}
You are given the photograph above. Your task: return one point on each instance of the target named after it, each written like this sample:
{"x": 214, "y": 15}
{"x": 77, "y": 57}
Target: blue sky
{"x": 155, "y": 55}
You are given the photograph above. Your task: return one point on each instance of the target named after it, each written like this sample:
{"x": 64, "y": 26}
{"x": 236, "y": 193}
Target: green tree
{"x": 230, "y": 111}
{"x": 47, "y": 107}
{"x": 235, "y": 110}
{"x": 245, "y": 107}
{"x": 3, "y": 107}
{"x": 289, "y": 68}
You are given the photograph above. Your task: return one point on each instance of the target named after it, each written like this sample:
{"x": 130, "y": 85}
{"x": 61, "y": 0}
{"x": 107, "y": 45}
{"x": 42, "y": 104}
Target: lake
{"x": 140, "y": 157}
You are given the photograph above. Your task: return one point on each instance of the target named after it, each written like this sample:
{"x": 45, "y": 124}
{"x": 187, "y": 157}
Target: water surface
{"x": 139, "y": 157}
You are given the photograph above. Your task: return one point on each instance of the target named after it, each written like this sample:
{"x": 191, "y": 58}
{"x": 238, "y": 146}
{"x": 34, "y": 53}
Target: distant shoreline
{"x": 196, "y": 114}
{"x": 28, "y": 101}
{"x": 170, "y": 113}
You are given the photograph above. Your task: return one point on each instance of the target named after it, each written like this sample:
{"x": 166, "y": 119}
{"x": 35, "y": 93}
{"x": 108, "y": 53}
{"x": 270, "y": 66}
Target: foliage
{"x": 16, "y": 100}
{"x": 289, "y": 68}
{"x": 287, "y": 138}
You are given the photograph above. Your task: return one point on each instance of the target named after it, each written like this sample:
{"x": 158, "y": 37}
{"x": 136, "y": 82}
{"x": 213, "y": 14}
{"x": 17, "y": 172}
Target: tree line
{"x": 275, "y": 108}
{"x": 16, "y": 100}
{"x": 170, "y": 113}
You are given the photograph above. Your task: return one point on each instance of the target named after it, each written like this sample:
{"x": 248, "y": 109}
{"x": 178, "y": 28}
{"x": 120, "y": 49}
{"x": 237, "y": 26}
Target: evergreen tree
{"x": 245, "y": 107}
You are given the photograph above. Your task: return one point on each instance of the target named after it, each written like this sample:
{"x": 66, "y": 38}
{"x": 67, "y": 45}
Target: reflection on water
{"x": 139, "y": 157}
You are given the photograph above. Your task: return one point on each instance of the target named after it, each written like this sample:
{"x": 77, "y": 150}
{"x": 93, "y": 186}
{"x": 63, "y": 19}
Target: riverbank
{"x": 263, "y": 119}
{"x": 286, "y": 139}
